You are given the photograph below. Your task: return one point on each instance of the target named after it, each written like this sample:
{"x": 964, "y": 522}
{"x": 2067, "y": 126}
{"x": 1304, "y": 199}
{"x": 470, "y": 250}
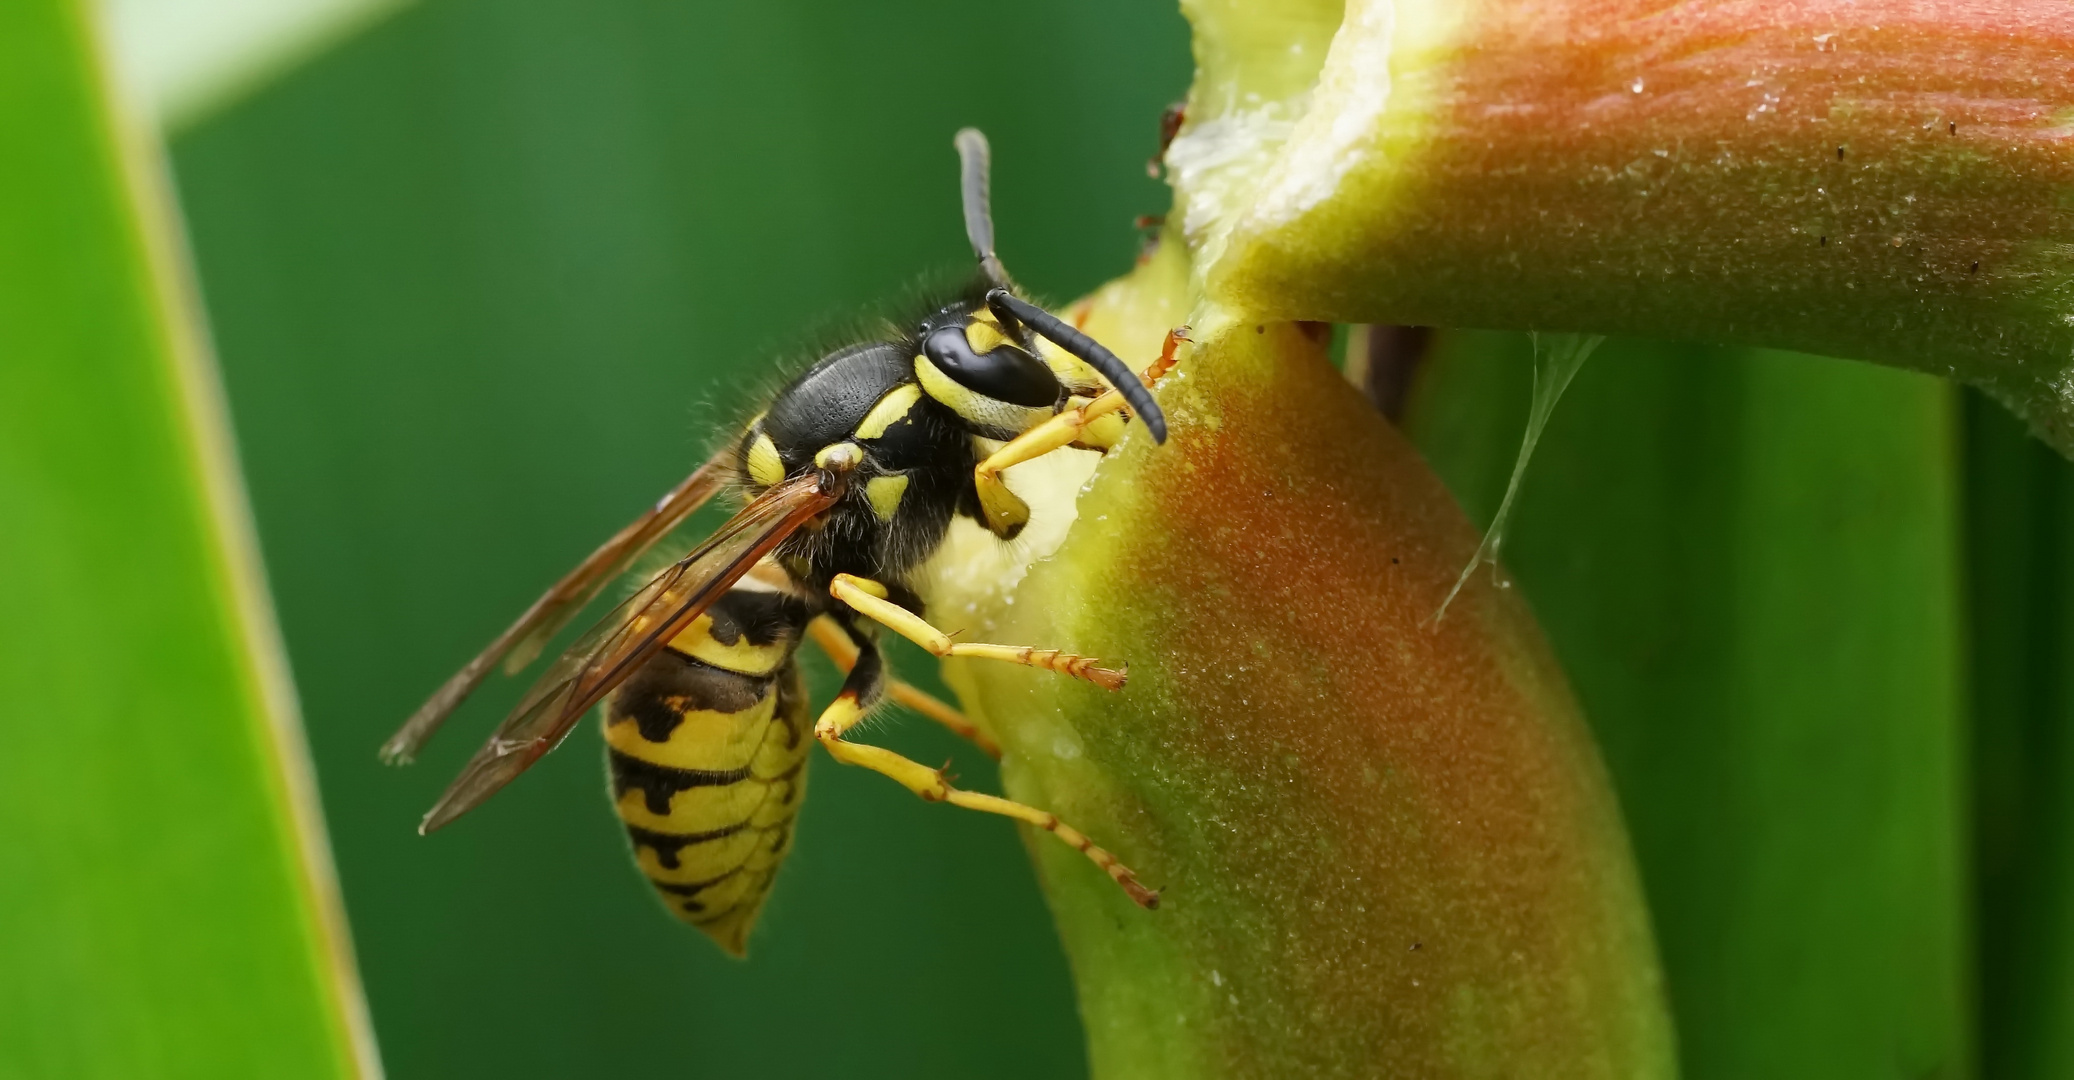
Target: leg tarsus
{"x": 1167, "y": 359}
{"x": 934, "y": 785}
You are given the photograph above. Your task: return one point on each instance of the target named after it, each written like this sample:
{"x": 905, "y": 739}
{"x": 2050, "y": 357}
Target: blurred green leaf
{"x": 2019, "y": 524}
{"x": 189, "y": 58}
{"x": 1749, "y": 564}
{"x": 162, "y": 911}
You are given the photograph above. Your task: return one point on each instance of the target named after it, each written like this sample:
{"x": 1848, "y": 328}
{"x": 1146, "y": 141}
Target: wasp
{"x": 853, "y": 475}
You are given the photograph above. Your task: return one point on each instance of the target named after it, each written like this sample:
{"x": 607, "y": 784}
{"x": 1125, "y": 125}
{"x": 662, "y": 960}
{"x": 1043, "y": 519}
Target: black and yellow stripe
{"x": 707, "y": 746}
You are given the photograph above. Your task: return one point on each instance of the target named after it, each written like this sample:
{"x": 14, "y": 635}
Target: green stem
{"x": 1882, "y": 181}
{"x": 1387, "y": 845}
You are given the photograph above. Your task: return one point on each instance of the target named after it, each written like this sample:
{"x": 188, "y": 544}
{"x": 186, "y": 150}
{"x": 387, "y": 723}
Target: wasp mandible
{"x": 854, "y": 474}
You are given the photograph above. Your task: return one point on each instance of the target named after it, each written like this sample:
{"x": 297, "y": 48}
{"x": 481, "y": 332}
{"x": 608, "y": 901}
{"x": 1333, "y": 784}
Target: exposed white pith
{"x": 974, "y": 573}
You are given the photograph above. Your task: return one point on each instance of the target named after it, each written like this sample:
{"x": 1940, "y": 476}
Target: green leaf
{"x": 165, "y": 899}
{"x": 2019, "y": 522}
{"x": 1749, "y": 564}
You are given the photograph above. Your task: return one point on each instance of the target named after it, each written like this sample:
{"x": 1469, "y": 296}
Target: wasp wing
{"x": 622, "y": 641}
{"x": 522, "y": 641}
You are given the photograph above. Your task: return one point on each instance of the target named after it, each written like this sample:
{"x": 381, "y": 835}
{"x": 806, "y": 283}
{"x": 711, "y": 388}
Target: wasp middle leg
{"x": 862, "y": 689}
{"x": 868, "y": 598}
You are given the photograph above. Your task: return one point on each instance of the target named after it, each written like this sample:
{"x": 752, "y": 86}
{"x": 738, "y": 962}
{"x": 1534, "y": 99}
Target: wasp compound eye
{"x": 1004, "y": 373}
{"x": 1012, "y": 307}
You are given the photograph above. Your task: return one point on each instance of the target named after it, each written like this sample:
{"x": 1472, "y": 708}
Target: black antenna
{"x": 1088, "y": 349}
{"x": 974, "y": 156}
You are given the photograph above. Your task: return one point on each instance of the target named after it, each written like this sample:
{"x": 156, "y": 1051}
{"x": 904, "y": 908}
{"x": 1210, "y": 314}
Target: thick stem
{"x": 1883, "y": 181}
{"x": 1387, "y": 846}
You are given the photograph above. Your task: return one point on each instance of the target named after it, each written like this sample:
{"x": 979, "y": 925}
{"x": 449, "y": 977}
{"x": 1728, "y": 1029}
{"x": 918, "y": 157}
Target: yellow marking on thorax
{"x": 697, "y": 641}
{"x": 765, "y": 467}
{"x": 840, "y": 455}
{"x": 974, "y": 406}
{"x": 884, "y": 492}
{"x": 890, "y": 410}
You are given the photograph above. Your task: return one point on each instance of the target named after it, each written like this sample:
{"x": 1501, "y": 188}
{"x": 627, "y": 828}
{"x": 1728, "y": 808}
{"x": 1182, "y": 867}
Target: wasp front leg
{"x": 862, "y": 689}
{"x": 1082, "y": 426}
{"x": 868, "y": 598}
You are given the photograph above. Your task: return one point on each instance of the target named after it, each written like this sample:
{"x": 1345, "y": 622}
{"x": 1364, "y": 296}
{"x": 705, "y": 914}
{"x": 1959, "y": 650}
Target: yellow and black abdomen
{"x": 707, "y": 746}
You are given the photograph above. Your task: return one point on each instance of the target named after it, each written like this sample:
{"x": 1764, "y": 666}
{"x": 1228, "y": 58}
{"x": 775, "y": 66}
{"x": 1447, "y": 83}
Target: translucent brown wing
{"x": 624, "y": 639}
{"x": 522, "y": 641}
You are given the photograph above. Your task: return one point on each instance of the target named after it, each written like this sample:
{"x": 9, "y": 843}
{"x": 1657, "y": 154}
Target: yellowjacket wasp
{"x": 855, "y": 472}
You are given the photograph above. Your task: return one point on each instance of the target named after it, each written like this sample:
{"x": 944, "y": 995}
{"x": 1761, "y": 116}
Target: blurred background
{"x": 486, "y": 279}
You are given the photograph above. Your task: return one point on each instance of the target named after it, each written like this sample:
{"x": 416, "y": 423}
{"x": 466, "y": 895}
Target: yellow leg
{"x": 850, "y": 707}
{"x": 868, "y": 598}
{"x": 1005, "y": 511}
{"x": 843, "y": 651}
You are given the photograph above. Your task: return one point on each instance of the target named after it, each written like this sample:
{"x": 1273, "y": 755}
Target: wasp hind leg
{"x": 1006, "y": 512}
{"x": 868, "y": 598}
{"x": 862, "y": 689}
{"x": 836, "y": 642}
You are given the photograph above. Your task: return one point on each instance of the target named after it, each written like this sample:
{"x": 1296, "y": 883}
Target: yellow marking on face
{"x": 765, "y": 467}
{"x": 697, "y": 641}
{"x": 889, "y": 411}
{"x": 984, "y": 337}
{"x": 839, "y": 456}
{"x": 884, "y": 493}
{"x": 972, "y": 405}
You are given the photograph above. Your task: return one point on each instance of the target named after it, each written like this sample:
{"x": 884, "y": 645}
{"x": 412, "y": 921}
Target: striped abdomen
{"x": 708, "y": 745}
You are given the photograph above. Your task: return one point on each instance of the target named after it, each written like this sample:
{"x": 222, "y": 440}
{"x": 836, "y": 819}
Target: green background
{"x": 1749, "y": 563}
{"x": 483, "y": 281}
